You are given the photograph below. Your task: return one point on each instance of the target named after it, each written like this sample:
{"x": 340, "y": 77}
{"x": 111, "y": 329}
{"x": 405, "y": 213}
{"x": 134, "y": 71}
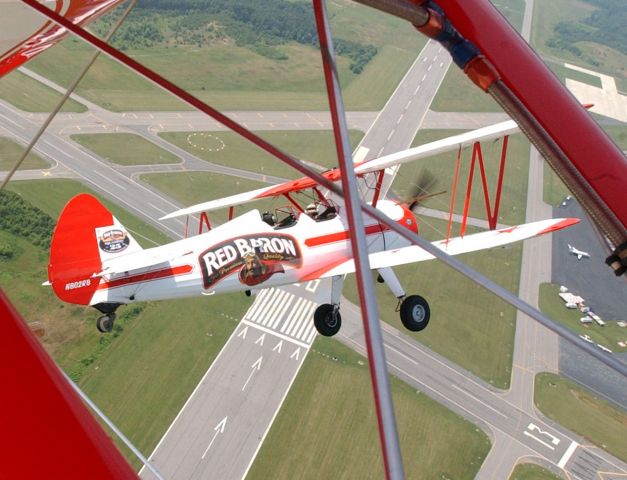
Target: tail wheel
{"x": 327, "y": 319}
{"x": 415, "y": 313}
{"x": 104, "y": 324}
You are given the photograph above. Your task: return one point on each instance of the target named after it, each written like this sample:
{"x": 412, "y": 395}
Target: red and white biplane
{"x": 94, "y": 259}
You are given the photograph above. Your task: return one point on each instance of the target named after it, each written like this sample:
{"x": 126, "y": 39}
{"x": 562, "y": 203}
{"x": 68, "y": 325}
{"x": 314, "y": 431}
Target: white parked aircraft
{"x": 580, "y": 254}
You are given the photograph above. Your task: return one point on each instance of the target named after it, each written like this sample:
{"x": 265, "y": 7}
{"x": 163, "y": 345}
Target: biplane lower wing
{"x": 457, "y": 245}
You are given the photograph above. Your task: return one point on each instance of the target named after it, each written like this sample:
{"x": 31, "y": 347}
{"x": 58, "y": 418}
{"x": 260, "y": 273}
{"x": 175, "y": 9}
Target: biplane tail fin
{"x": 86, "y": 236}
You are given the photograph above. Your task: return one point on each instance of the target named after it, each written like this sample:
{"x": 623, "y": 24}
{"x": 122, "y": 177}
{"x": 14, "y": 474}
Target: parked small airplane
{"x": 578, "y": 253}
{"x": 94, "y": 260}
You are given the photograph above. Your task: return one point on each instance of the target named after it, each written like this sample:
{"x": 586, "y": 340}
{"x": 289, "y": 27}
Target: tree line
{"x": 20, "y": 218}
{"x": 259, "y": 26}
{"x": 605, "y": 25}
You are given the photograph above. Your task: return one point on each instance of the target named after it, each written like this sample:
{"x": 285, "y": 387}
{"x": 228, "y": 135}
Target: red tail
{"x": 74, "y": 255}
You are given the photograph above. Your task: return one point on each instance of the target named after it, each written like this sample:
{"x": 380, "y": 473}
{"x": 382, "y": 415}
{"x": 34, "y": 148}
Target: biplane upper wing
{"x": 18, "y": 45}
{"x": 454, "y": 246}
{"x": 448, "y": 144}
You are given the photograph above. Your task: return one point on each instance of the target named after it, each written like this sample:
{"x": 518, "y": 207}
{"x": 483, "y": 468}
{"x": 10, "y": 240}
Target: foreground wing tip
{"x": 559, "y": 224}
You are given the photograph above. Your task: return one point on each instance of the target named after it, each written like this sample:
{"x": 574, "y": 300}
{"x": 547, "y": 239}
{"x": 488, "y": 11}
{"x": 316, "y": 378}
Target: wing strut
{"x": 370, "y": 316}
{"x": 491, "y": 216}
{"x": 65, "y": 96}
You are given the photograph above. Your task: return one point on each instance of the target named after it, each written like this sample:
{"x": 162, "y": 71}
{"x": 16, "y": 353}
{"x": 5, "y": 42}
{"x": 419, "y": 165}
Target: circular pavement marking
{"x": 206, "y": 142}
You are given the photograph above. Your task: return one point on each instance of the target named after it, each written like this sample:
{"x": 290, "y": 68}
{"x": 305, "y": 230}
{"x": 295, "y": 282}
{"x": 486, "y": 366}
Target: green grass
{"x": 327, "y": 427}
{"x": 458, "y": 94}
{"x": 312, "y": 146}
{"x": 597, "y": 57}
{"x": 30, "y": 95}
{"x": 140, "y": 376}
{"x": 468, "y": 325}
{"x": 608, "y": 335}
{"x": 529, "y": 471}
{"x": 11, "y": 151}
{"x": 514, "y": 193}
{"x": 513, "y": 10}
{"x": 51, "y": 195}
{"x": 235, "y": 78}
{"x": 372, "y": 89}
{"x": 618, "y": 134}
{"x": 125, "y": 148}
{"x": 582, "y": 412}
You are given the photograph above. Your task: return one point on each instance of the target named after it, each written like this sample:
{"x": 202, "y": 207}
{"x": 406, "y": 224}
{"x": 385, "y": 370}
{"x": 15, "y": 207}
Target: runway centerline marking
{"x": 478, "y": 400}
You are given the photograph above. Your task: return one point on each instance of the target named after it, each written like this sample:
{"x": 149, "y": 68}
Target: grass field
{"x": 608, "y": 335}
{"x": 31, "y": 96}
{"x": 514, "y": 194}
{"x": 582, "y": 412}
{"x": 139, "y": 376}
{"x": 530, "y": 471}
{"x": 227, "y": 148}
{"x": 11, "y": 151}
{"x": 327, "y": 427}
{"x": 468, "y": 325}
{"x": 458, "y": 94}
{"x": 125, "y": 149}
{"x": 235, "y": 78}
{"x": 547, "y": 13}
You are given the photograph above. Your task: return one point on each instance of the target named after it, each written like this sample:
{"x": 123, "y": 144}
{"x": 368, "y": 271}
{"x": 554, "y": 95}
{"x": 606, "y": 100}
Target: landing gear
{"x": 415, "y": 313}
{"x": 104, "y": 324}
{"x": 327, "y": 319}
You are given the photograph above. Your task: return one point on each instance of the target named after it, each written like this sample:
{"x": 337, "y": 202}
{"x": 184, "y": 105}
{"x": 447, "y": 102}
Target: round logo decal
{"x": 113, "y": 241}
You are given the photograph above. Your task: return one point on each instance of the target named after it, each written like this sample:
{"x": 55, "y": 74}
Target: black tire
{"x": 415, "y": 313}
{"x": 327, "y": 320}
{"x": 104, "y": 324}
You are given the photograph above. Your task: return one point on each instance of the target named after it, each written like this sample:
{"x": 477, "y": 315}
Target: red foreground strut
{"x": 48, "y": 432}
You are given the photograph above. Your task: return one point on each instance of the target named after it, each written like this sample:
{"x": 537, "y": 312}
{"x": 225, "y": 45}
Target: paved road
{"x": 221, "y": 427}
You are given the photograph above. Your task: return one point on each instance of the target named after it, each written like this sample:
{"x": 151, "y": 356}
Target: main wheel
{"x": 415, "y": 313}
{"x": 327, "y": 319}
{"x": 104, "y": 324}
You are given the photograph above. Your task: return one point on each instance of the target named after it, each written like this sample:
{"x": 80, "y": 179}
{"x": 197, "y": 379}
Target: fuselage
{"x": 246, "y": 253}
